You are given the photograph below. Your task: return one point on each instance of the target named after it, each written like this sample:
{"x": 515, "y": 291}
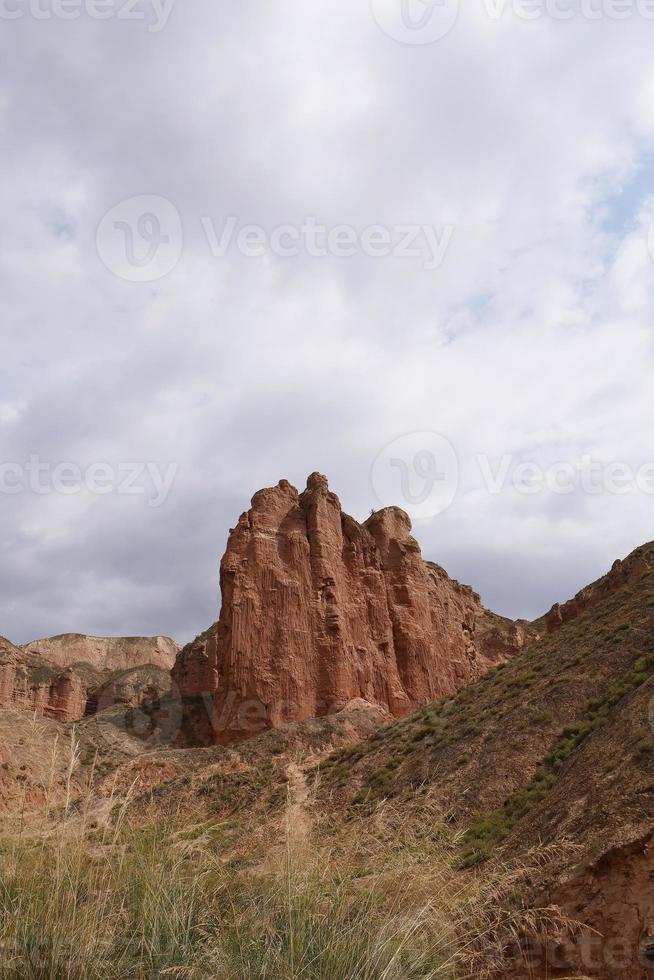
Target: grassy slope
{"x": 513, "y": 755}
{"x": 219, "y": 864}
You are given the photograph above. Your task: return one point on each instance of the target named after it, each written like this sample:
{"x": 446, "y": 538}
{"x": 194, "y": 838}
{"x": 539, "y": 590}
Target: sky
{"x": 405, "y": 243}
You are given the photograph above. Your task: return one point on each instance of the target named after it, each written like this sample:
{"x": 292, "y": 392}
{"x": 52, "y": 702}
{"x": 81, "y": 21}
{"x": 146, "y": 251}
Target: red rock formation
{"x": 29, "y": 684}
{"x": 319, "y": 610}
{"x": 622, "y": 572}
{"x": 67, "y": 693}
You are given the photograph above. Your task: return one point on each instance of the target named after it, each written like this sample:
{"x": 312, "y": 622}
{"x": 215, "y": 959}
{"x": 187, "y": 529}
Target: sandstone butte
{"x": 319, "y": 611}
{"x": 68, "y": 677}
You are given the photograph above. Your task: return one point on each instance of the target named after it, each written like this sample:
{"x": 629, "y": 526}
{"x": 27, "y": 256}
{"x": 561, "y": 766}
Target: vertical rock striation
{"x": 319, "y": 610}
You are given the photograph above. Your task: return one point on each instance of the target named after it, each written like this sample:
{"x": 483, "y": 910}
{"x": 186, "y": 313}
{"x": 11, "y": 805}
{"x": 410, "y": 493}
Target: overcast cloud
{"x": 524, "y": 146}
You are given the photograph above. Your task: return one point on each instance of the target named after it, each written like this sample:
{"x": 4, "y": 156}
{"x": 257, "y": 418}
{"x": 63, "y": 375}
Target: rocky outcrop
{"x": 106, "y": 653}
{"x": 623, "y": 572}
{"x": 614, "y": 893}
{"x": 28, "y": 682}
{"x": 319, "y": 610}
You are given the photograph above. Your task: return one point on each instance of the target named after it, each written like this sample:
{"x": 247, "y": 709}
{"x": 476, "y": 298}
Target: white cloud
{"x": 534, "y": 338}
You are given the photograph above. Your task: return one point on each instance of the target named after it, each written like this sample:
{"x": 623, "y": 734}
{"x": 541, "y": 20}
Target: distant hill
{"x": 106, "y": 653}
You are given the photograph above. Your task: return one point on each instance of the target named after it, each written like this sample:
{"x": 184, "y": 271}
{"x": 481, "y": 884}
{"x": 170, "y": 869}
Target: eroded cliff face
{"x": 29, "y": 682}
{"x": 319, "y": 610}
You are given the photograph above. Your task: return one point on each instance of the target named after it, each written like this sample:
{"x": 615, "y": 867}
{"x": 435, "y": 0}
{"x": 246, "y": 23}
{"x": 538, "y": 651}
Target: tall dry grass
{"x": 86, "y": 902}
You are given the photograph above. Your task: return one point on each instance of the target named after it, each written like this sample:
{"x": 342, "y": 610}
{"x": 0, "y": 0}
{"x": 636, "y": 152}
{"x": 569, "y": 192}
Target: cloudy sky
{"x": 246, "y": 241}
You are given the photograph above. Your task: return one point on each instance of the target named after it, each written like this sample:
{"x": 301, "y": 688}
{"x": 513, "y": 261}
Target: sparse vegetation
{"x": 168, "y": 898}
{"x": 488, "y": 831}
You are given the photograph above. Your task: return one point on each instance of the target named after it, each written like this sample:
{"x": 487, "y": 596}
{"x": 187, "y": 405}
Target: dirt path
{"x": 298, "y": 817}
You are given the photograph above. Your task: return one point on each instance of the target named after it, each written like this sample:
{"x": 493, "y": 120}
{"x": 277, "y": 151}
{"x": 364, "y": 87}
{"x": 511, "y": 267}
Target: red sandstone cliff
{"x": 319, "y": 610}
{"x": 69, "y": 690}
{"x": 27, "y": 683}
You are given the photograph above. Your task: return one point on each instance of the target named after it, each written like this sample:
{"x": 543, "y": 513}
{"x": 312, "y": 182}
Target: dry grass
{"x": 80, "y": 901}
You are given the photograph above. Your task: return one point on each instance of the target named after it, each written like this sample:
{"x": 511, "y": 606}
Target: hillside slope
{"x": 554, "y": 748}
